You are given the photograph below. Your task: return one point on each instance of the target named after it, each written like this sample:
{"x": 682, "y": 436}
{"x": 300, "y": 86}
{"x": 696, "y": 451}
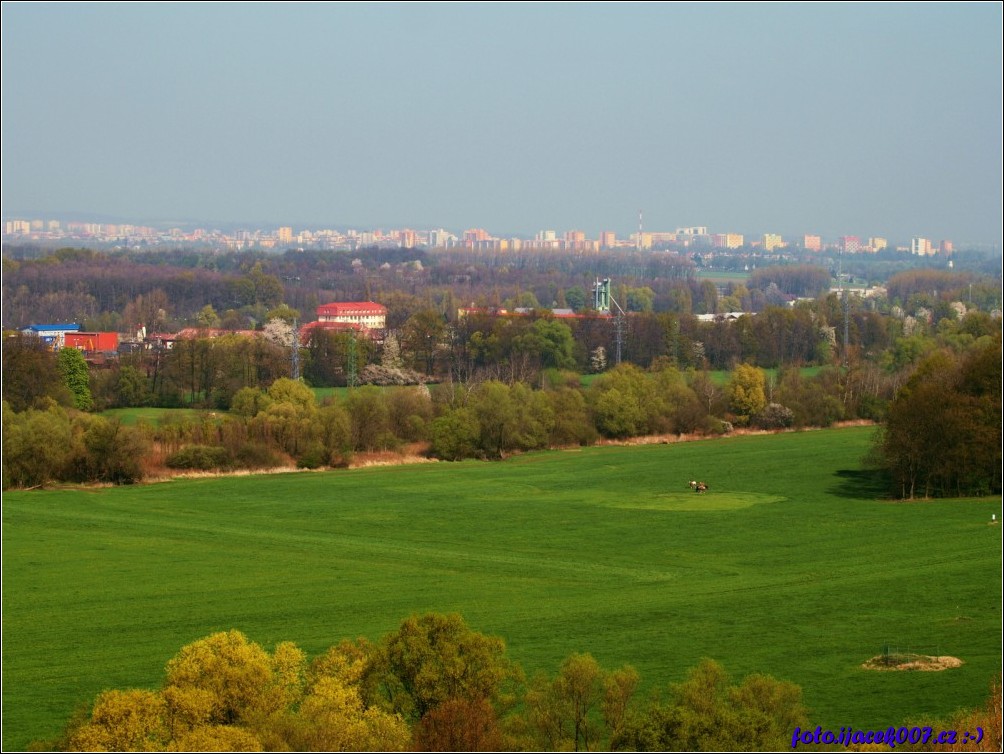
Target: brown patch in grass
{"x": 911, "y": 662}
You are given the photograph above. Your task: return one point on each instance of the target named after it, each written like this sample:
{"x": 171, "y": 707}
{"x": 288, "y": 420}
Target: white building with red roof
{"x": 369, "y": 314}
{"x": 363, "y": 317}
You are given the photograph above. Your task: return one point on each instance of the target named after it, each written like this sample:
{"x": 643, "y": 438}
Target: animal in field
{"x": 698, "y": 487}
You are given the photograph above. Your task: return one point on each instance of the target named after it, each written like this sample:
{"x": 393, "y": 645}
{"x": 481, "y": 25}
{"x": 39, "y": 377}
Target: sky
{"x": 835, "y": 119}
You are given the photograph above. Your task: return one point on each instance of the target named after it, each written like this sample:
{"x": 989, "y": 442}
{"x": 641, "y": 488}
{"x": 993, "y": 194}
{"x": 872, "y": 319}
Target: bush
{"x": 107, "y": 451}
{"x": 198, "y": 458}
{"x": 257, "y": 456}
{"x": 313, "y": 457}
{"x": 774, "y": 416}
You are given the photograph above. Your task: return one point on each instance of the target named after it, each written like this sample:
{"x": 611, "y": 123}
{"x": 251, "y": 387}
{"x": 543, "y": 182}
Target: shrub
{"x": 257, "y": 456}
{"x": 198, "y": 458}
{"x": 774, "y": 416}
{"x": 313, "y": 457}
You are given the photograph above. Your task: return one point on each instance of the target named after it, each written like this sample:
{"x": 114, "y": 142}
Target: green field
{"x": 721, "y": 377}
{"x": 788, "y": 565}
{"x": 151, "y": 416}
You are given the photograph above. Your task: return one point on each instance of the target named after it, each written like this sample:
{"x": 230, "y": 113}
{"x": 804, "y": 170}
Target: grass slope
{"x": 788, "y": 565}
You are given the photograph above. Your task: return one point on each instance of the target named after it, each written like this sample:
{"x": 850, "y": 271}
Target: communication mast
{"x": 601, "y": 302}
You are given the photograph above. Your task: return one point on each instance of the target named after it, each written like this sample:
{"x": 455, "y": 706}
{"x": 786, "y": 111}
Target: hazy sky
{"x": 863, "y": 119}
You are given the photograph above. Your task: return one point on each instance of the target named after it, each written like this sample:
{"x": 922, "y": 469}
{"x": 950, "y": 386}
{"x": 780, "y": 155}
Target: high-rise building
{"x": 771, "y": 241}
{"x": 642, "y": 240}
{"x": 921, "y": 247}
{"x": 877, "y": 243}
{"x": 812, "y": 243}
{"x": 608, "y": 239}
{"x": 475, "y": 234}
{"x": 850, "y": 244}
{"x": 285, "y": 234}
{"x": 946, "y": 247}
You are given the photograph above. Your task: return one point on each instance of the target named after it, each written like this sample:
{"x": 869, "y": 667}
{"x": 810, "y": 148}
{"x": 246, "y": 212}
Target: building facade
{"x": 368, "y": 314}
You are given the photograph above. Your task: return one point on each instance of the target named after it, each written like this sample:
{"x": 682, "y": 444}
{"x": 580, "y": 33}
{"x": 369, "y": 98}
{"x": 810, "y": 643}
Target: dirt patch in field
{"x": 911, "y": 662}
{"x": 412, "y": 454}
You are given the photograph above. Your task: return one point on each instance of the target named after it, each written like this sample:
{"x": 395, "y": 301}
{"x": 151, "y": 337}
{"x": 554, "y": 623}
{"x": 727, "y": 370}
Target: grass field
{"x": 788, "y": 565}
{"x": 151, "y": 416}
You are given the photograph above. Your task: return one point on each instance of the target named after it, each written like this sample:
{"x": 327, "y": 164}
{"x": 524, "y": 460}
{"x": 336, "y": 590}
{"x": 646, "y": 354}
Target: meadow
{"x": 789, "y": 565}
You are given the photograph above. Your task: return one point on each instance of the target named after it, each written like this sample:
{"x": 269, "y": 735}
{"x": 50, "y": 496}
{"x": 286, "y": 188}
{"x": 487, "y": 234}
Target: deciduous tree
{"x": 73, "y": 369}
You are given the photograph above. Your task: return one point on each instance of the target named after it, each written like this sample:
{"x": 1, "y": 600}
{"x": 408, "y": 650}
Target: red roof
{"x": 306, "y": 329}
{"x": 343, "y": 308}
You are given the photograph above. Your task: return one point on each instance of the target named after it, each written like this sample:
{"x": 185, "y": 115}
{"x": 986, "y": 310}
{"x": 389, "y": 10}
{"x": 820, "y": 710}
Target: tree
{"x": 454, "y": 435}
{"x": 36, "y": 446}
{"x": 433, "y": 658}
{"x": 124, "y": 721}
{"x": 550, "y": 342}
{"x": 249, "y": 401}
{"x": 76, "y": 377}
{"x": 572, "y": 423}
{"x": 575, "y": 297}
{"x": 566, "y": 712}
{"x": 225, "y": 679}
{"x": 208, "y": 317}
{"x": 496, "y": 416}
{"x": 943, "y": 429}
{"x": 625, "y": 401}
{"x": 746, "y": 391}
{"x": 285, "y": 390}
{"x": 131, "y": 387}
{"x": 333, "y": 717}
{"x": 279, "y": 331}
{"x": 285, "y": 312}
{"x": 421, "y": 336}
{"x": 370, "y": 419}
{"x": 30, "y": 373}
{"x": 707, "y": 713}
{"x": 460, "y": 725}
{"x": 108, "y": 451}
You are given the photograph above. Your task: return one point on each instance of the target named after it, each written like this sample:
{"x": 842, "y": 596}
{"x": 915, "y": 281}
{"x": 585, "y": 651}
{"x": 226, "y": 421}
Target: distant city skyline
{"x": 871, "y": 119}
{"x": 699, "y": 239}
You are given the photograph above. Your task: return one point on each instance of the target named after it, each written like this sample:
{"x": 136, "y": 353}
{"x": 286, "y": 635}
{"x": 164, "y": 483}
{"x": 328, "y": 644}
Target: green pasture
{"x": 789, "y": 565}
{"x": 151, "y": 416}
{"x": 721, "y": 377}
{"x": 320, "y": 393}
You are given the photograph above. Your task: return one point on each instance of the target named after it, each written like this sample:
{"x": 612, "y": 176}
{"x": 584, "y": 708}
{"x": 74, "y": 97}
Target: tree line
{"x": 435, "y": 684}
{"x": 941, "y": 408}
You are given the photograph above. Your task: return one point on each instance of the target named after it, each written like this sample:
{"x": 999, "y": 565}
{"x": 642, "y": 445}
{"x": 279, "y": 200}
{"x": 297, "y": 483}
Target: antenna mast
{"x": 638, "y": 244}
{"x": 602, "y": 299}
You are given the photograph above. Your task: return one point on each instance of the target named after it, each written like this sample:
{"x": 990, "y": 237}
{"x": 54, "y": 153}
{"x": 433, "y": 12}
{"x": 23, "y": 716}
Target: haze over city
{"x": 867, "y": 119}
